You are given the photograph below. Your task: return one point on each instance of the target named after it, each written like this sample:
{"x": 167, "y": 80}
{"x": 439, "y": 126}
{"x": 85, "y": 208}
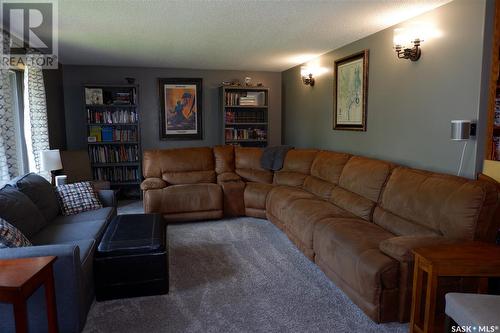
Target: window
{"x": 23, "y": 122}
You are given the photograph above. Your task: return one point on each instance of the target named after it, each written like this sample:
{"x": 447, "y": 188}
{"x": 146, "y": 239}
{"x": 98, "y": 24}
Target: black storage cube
{"x": 132, "y": 258}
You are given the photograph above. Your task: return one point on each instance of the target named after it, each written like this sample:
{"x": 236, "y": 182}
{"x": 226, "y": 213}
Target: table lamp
{"x": 50, "y": 160}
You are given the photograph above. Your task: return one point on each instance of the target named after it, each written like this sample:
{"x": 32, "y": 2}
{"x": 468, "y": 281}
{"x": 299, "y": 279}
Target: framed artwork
{"x": 351, "y": 92}
{"x": 180, "y": 109}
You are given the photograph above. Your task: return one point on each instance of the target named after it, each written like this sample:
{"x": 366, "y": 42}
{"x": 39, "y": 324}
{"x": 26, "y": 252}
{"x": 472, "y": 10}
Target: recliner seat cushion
{"x": 301, "y": 216}
{"x": 256, "y": 194}
{"x": 190, "y": 198}
{"x": 350, "y": 247}
{"x": 281, "y": 197}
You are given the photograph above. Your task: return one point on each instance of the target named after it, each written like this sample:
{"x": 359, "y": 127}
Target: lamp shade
{"x": 50, "y": 160}
{"x": 460, "y": 130}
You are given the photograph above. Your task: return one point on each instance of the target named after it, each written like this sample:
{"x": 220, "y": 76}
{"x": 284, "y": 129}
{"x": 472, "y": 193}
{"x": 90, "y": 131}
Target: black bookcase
{"x": 113, "y": 135}
{"x": 245, "y": 116}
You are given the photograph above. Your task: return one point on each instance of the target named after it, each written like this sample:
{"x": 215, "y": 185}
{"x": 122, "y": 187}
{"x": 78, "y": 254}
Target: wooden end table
{"x": 19, "y": 279}
{"x": 468, "y": 259}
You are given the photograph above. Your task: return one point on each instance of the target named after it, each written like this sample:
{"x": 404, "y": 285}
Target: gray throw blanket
{"x": 273, "y": 157}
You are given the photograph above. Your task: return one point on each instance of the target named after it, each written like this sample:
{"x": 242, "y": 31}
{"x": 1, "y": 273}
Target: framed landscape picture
{"x": 180, "y": 109}
{"x": 351, "y": 92}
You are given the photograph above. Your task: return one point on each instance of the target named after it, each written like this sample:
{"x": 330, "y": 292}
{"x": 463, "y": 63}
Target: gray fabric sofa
{"x": 30, "y": 204}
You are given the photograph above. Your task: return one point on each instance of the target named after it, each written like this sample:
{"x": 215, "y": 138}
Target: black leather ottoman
{"x": 132, "y": 258}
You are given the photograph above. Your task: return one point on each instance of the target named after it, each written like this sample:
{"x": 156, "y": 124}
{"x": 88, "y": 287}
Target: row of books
{"x": 250, "y": 98}
{"x": 245, "y": 134}
{"x": 118, "y": 116}
{"x": 114, "y": 154}
{"x": 117, "y": 174}
{"x": 245, "y": 117}
{"x": 107, "y": 134}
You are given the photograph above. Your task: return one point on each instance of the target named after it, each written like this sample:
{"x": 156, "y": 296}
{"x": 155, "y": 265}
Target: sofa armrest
{"x": 107, "y": 198}
{"x": 228, "y": 177}
{"x": 67, "y": 280}
{"x": 400, "y": 248}
{"x": 153, "y": 184}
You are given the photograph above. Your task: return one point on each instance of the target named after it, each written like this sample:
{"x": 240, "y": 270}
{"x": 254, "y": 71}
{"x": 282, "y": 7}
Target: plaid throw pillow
{"x": 76, "y": 198}
{"x": 10, "y": 236}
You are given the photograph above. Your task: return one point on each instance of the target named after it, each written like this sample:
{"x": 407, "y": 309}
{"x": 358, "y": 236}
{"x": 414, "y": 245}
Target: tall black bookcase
{"x": 113, "y": 135}
{"x": 245, "y": 115}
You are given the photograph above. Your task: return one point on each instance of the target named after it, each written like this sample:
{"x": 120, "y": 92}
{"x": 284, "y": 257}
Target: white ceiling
{"x": 224, "y": 34}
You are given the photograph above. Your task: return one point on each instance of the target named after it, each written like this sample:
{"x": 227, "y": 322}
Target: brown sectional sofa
{"x": 356, "y": 218}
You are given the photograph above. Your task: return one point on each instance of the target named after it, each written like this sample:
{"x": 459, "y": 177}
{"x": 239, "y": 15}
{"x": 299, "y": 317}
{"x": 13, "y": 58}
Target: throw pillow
{"x": 76, "y": 198}
{"x": 10, "y": 236}
{"x": 41, "y": 192}
{"x": 20, "y": 211}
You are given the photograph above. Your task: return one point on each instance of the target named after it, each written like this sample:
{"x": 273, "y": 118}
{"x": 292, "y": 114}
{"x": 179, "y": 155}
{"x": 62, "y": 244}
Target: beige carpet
{"x": 238, "y": 275}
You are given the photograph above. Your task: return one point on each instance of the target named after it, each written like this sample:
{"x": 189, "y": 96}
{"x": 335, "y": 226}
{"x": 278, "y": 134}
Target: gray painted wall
{"x": 55, "y": 107}
{"x": 410, "y": 104}
{"x": 75, "y": 76}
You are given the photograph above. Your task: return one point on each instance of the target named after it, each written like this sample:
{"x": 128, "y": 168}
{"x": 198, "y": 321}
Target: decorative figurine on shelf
{"x": 247, "y": 81}
{"x": 259, "y": 84}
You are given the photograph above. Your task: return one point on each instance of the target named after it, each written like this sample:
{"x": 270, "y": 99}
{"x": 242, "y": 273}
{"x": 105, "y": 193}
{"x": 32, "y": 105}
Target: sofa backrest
{"x": 360, "y": 185}
{"x": 296, "y": 167}
{"x": 247, "y": 163}
{"x": 417, "y": 202}
{"x": 17, "y": 209}
{"x": 224, "y": 159}
{"x": 180, "y": 166}
{"x": 325, "y": 173}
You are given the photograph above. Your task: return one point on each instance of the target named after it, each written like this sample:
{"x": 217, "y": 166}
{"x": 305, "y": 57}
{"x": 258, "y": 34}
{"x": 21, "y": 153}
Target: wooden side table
{"x": 468, "y": 259}
{"x": 19, "y": 279}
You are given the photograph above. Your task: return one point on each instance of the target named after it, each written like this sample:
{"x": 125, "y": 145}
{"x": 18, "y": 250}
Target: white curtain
{"x": 9, "y": 160}
{"x": 36, "y": 131}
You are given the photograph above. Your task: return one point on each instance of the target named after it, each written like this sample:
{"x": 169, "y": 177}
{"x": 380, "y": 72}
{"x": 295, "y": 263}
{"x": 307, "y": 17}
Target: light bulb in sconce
{"x": 309, "y": 73}
{"x": 407, "y": 43}
{"x": 307, "y": 76}
{"x": 399, "y": 39}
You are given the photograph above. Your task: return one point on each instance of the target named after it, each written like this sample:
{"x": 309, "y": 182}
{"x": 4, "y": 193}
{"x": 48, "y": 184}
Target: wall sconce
{"x": 462, "y": 130}
{"x": 407, "y": 46}
{"x": 308, "y": 80}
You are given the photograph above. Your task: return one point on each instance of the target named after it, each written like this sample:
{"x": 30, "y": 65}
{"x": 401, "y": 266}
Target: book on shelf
{"x": 118, "y": 116}
{"x": 95, "y": 131}
{"x": 245, "y": 116}
{"x": 116, "y": 174}
{"x": 114, "y": 154}
{"x": 245, "y": 134}
{"x": 250, "y": 98}
{"x": 116, "y": 134}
